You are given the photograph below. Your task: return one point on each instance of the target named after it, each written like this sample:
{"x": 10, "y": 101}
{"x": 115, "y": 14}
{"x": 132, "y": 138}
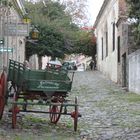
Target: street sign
{"x": 16, "y": 29}
{"x": 6, "y": 49}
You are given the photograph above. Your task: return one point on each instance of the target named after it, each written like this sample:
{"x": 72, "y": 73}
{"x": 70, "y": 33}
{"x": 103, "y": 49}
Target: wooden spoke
{"x": 54, "y": 109}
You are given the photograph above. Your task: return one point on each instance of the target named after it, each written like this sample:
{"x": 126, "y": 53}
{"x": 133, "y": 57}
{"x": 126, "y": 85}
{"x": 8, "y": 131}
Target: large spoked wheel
{"x": 55, "y": 113}
{"x": 3, "y": 81}
{"x": 76, "y": 114}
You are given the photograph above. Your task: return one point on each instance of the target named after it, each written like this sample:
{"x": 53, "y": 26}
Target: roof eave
{"x": 101, "y": 12}
{"x": 19, "y": 5}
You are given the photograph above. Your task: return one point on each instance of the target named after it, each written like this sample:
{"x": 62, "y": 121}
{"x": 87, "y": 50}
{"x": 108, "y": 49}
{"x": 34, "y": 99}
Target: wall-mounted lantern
{"x": 35, "y": 34}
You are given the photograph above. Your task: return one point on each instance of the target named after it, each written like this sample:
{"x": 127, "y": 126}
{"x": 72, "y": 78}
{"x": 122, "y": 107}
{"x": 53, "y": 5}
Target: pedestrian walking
{"x": 91, "y": 64}
{"x": 95, "y": 65}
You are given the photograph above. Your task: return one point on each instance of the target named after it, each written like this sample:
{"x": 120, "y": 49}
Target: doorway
{"x": 124, "y": 70}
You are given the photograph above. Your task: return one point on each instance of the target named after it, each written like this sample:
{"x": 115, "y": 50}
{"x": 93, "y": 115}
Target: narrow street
{"x": 108, "y": 113}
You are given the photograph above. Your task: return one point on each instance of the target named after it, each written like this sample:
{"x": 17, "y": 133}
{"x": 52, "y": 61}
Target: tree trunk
{"x": 40, "y": 62}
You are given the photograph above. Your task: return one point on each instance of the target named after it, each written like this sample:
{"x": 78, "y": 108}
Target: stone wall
{"x": 134, "y": 72}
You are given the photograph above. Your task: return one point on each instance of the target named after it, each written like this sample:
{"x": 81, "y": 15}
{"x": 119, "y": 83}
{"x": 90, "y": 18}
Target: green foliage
{"x": 86, "y": 43}
{"x": 55, "y": 29}
{"x": 134, "y": 14}
{"x": 58, "y": 35}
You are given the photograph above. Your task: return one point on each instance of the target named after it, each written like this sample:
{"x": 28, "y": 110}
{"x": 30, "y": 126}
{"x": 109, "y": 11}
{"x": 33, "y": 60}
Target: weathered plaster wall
{"x": 15, "y": 42}
{"x": 109, "y": 63}
{"x": 134, "y": 72}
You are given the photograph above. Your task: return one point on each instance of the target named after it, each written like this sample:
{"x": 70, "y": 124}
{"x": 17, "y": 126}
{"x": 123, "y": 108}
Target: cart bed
{"x": 39, "y": 80}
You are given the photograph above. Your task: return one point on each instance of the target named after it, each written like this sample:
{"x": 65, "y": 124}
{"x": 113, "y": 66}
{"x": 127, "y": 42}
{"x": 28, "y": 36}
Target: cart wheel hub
{"x": 74, "y": 114}
{"x": 16, "y": 109}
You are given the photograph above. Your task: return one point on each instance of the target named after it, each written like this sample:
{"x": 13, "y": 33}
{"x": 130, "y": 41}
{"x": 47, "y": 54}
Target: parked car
{"x": 69, "y": 65}
{"x": 81, "y": 67}
{"x": 54, "y": 64}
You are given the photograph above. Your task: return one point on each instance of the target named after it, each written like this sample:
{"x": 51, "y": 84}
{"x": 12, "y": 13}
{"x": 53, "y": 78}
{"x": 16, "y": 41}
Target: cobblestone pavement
{"x": 108, "y": 113}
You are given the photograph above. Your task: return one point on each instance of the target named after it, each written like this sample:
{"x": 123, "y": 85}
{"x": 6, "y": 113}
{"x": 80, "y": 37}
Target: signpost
{"x": 3, "y": 49}
{"x": 16, "y": 29}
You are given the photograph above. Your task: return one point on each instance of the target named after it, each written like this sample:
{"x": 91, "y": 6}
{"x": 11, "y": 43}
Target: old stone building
{"x": 115, "y": 48}
{"x": 12, "y": 31}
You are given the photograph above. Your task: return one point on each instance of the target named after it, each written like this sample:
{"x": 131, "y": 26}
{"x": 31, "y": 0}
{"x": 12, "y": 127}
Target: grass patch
{"x": 127, "y": 96}
{"x": 102, "y": 103}
{"x": 135, "y": 112}
{"x": 35, "y": 119}
{"x": 131, "y": 97}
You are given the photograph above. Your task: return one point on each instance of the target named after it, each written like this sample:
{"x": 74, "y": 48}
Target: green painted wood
{"x": 39, "y": 80}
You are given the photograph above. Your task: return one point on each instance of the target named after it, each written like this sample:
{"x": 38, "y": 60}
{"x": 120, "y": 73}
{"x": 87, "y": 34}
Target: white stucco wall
{"x": 15, "y": 42}
{"x": 33, "y": 62}
{"x": 134, "y": 72}
{"x": 109, "y": 63}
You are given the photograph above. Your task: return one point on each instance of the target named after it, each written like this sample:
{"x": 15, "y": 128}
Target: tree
{"x": 77, "y": 10}
{"x": 58, "y": 34}
{"x": 134, "y": 14}
{"x": 86, "y": 43}
{"x": 55, "y": 30}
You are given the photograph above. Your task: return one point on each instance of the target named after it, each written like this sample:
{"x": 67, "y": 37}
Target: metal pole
{"x": 16, "y": 41}
{"x": 7, "y": 34}
{"x": 1, "y": 61}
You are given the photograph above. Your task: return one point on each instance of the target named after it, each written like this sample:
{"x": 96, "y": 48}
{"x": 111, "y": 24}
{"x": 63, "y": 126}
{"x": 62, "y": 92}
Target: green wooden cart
{"x": 27, "y": 87}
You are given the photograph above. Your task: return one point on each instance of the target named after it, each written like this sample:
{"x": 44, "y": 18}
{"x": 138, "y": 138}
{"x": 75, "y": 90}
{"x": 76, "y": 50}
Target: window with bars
{"x": 102, "y": 48}
{"x": 106, "y": 44}
{"x": 113, "y": 36}
{"x": 118, "y": 48}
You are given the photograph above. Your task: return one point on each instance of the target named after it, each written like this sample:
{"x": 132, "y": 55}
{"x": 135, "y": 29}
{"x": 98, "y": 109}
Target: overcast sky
{"x": 94, "y": 7}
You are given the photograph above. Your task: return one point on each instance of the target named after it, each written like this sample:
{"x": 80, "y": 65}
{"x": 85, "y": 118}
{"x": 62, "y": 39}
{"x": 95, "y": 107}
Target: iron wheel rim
{"x": 2, "y": 92}
{"x": 54, "y": 118}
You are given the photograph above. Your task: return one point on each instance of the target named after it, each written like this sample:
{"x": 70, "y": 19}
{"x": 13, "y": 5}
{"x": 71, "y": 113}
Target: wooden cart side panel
{"x": 56, "y": 75}
{"x": 48, "y": 85}
{"x": 45, "y": 75}
{"x": 34, "y": 74}
{"x": 38, "y": 80}
{"x": 16, "y": 72}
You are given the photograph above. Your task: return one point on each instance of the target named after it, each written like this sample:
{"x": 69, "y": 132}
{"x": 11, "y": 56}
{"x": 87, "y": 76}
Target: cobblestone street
{"x": 108, "y": 113}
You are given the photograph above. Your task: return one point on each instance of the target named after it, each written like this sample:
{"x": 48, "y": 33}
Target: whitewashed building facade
{"x": 116, "y": 56}
{"x": 13, "y": 32}
{"x": 106, "y": 33}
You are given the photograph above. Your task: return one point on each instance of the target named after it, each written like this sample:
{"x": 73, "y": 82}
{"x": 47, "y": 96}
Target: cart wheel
{"x": 3, "y": 81}
{"x": 74, "y": 115}
{"x": 54, "y": 118}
